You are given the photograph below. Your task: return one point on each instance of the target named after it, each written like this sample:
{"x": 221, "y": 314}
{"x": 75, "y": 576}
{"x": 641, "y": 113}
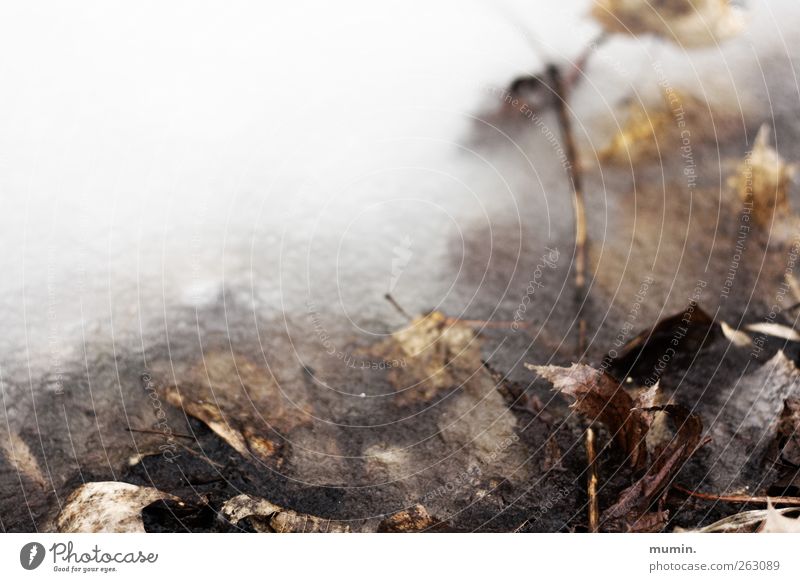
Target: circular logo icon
{"x": 31, "y": 555}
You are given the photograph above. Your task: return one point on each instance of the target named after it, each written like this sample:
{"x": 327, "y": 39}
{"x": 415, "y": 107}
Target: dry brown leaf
{"x": 240, "y": 401}
{"x": 265, "y": 516}
{"x": 688, "y": 23}
{"x": 688, "y": 331}
{"x": 633, "y": 509}
{"x": 409, "y": 520}
{"x": 601, "y": 398}
{"x": 107, "y": 506}
{"x": 243, "y": 439}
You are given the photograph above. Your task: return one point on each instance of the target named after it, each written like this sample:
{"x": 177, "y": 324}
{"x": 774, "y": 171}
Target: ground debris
{"x": 633, "y": 509}
{"x": 265, "y": 516}
{"x": 409, "y": 520}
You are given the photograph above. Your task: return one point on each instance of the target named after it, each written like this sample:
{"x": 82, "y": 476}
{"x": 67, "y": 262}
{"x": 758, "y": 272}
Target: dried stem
{"x": 594, "y": 508}
{"x": 574, "y": 174}
{"x": 393, "y": 302}
{"x": 738, "y": 498}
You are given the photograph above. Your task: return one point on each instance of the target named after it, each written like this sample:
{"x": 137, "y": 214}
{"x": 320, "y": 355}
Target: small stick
{"x": 594, "y": 508}
{"x": 738, "y": 498}
{"x": 148, "y": 431}
{"x": 397, "y": 306}
{"x": 580, "y": 63}
{"x": 574, "y": 174}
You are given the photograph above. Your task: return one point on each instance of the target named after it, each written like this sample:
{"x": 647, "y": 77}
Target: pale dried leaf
{"x": 776, "y": 522}
{"x": 763, "y": 180}
{"x": 774, "y": 330}
{"x": 265, "y": 516}
{"x": 736, "y": 337}
{"x": 107, "y": 506}
{"x": 19, "y": 454}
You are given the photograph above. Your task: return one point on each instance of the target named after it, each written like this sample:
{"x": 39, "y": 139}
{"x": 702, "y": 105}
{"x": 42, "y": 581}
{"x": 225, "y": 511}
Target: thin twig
{"x": 397, "y": 306}
{"x": 594, "y": 508}
{"x": 160, "y": 432}
{"x": 573, "y": 170}
{"x": 579, "y": 65}
{"x": 738, "y": 498}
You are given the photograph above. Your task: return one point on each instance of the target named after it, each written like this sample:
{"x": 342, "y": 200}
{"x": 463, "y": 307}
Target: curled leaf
{"x": 744, "y": 522}
{"x": 648, "y": 355}
{"x": 601, "y": 398}
{"x": 633, "y": 510}
{"x": 107, "y": 506}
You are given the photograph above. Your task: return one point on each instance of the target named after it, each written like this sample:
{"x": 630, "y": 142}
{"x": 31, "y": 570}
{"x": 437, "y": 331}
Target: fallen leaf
{"x": 776, "y": 522}
{"x": 19, "y": 454}
{"x": 650, "y": 128}
{"x": 744, "y": 522}
{"x": 265, "y": 516}
{"x": 107, "y": 507}
{"x": 688, "y": 23}
{"x": 736, "y": 337}
{"x": 763, "y": 180}
{"x": 438, "y": 353}
{"x": 774, "y": 330}
{"x": 243, "y": 439}
{"x": 413, "y": 519}
{"x": 240, "y": 401}
{"x": 601, "y": 398}
{"x": 633, "y": 509}
{"x": 648, "y": 355}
